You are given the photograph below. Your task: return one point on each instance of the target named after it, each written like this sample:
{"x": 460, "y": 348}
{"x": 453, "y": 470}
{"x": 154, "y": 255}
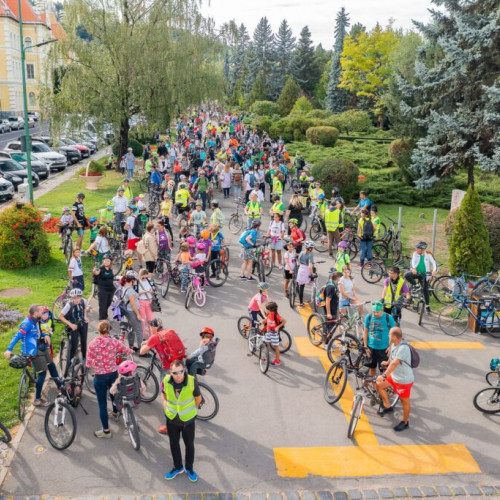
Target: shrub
{"x": 470, "y": 242}
{"x": 351, "y": 121}
{"x": 323, "y": 136}
{"x": 400, "y": 152}
{"x": 265, "y": 108}
{"x": 319, "y": 113}
{"x": 8, "y": 317}
{"x": 302, "y": 106}
{"x": 95, "y": 168}
{"x": 23, "y": 242}
{"x": 336, "y": 172}
{"x": 491, "y": 216}
{"x": 136, "y": 146}
{"x": 262, "y": 123}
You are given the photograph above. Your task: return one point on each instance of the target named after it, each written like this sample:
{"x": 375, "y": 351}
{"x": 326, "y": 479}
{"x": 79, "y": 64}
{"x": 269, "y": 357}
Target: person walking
{"x": 130, "y": 299}
{"x": 104, "y": 279}
{"x": 80, "y": 221}
{"x": 101, "y": 357}
{"x": 120, "y": 207}
{"x": 181, "y": 399}
{"x": 399, "y": 375}
{"x": 225, "y": 180}
{"x": 130, "y": 161}
{"x": 366, "y": 232}
{"x": 150, "y": 243}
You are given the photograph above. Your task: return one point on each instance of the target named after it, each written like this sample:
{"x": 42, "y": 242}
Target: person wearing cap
{"x": 130, "y": 162}
{"x": 120, "y": 207}
{"x": 376, "y": 336}
{"x": 104, "y": 279}
{"x": 423, "y": 265}
{"x": 80, "y": 221}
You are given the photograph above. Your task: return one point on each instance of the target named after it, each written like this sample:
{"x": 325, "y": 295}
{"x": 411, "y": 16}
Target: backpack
{"x": 320, "y": 296}
{"x": 137, "y": 228}
{"x": 252, "y": 180}
{"x": 386, "y": 319}
{"x": 243, "y": 237}
{"x": 368, "y": 230}
{"x": 303, "y": 234}
{"x": 415, "y": 356}
{"x": 174, "y": 348}
{"x": 237, "y": 177}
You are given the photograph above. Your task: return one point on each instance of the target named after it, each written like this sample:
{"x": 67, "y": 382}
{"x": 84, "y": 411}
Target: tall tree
{"x": 336, "y": 98}
{"x": 261, "y": 54}
{"x": 305, "y": 68}
{"x": 458, "y": 97}
{"x": 237, "y": 63}
{"x": 288, "y": 96}
{"x": 284, "y": 47}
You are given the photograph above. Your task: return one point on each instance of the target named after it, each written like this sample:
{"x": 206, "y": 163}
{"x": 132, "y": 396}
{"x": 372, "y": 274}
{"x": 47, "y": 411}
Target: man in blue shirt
{"x": 364, "y": 202}
{"x": 155, "y": 178}
{"x": 376, "y": 336}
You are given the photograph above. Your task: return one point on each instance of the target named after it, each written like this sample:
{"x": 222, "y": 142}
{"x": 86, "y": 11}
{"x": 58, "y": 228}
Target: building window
{"x": 31, "y": 100}
{"x": 27, "y": 42}
{"x": 30, "y": 71}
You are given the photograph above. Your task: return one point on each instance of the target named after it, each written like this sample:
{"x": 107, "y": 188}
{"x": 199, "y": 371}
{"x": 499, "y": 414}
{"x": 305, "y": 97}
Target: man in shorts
{"x": 376, "y": 336}
{"x": 132, "y": 239}
{"x": 80, "y": 222}
{"x": 399, "y": 375}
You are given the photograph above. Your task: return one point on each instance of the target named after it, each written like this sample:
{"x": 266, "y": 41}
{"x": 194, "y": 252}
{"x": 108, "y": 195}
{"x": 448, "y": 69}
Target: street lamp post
{"x": 25, "y": 99}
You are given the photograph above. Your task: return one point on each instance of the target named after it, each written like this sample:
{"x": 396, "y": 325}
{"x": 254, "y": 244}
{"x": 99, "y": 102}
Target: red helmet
{"x": 206, "y": 331}
{"x": 45, "y": 309}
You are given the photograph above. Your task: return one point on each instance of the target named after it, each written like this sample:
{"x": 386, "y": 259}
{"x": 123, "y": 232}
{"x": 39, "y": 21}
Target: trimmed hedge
{"x": 323, "y": 136}
{"x": 337, "y": 172}
{"x": 350, "y": 121}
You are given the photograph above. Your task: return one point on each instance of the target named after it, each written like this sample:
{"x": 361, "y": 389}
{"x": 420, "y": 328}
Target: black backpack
{"x": 137, "y": 228}
{"x": 415, "y": 356}
{"x": 368, "y": 230}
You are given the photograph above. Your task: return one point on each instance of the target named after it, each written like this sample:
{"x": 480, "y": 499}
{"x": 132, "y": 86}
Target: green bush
{"x": 323, "y": 136}
{"x": 337, "y": 172}
{"x": 400, "y": 152}
{"x": 319, "y": 113}
{"x": 265, "y": 108}
{"x": 95, "y": 168}
{"x": 262, "y": 123}
{"x": 302, "y": 106}
{"x": 470, "y": 242}
{"x": 136, "y": 146}
{"x": 351, "y": 121}
{"x": 23, "y": 243}
{"x": 491, "y": 216}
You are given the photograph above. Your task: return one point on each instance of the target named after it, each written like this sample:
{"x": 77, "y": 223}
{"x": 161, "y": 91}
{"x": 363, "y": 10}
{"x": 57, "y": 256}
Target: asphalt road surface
{"x": 275, "y": 432}
{"x": 15, "y": 134}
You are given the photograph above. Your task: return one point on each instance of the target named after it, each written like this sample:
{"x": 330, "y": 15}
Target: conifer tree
{"x": 261, "y": 55}
{"x": 288, "y": 96}
{"x": 305, "y": 67}
{"x": 284, "y": 47}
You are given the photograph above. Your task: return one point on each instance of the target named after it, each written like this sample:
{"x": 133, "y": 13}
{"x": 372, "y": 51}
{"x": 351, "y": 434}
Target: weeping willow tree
{"x": 123, "y": 57}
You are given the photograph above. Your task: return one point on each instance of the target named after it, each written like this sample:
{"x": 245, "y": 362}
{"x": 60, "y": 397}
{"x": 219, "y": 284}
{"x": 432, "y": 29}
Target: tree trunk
{"x": 123, "y": 142}
{"x": 470, "y": 173}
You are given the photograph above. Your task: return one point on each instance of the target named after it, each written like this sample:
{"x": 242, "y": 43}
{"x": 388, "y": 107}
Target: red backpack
{"x": 174, "y": 347}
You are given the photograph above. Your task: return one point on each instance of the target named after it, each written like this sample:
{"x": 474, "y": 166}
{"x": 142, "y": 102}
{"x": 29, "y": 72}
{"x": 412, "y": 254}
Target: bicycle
{"x": 60, "y": 423}
{"x": 67, "y": 243}
{"x": 257, "y": 344}
{"x": 5, "y": 436}
{"x": 367, "y": 390}
{"x": 454, "y": 318}
{"x": 61, "y": 299}
{"x": 24, "y": 363}
{"x": 392, "y": 237}
{"x": 195, "y": 289}
{"x": 236, "y": 220}
{"x": 493, "y": 376}
{"x": 294, "y": 288}
{"x": 126, "y": 398}
{"x": 170, "y": 273}
{"x": 487, "y": 400}
{"x": 374, "y": 270}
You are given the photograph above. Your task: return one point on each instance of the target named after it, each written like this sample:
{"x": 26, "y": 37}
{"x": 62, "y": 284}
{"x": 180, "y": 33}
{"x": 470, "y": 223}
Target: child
{"x": 143, "y": 217}
{"x": 140, "y": 203}
{"x": 75, "y": 270}
{"x": 146, "y": 294}
{"x": 257, "y": 306}
{"x": 207, "y": 334}
{"x": 65, "y": 223}
{"x": 273, "y": 323}
{"x": 183, "y": 232}
{"x": 205, "y": 240}
{"x": 129, "y": 381}
{"x": 191, "y": 241}
{"x": 94, "y": 229}
{"x": 47, "y": 326}
{"x": 342, "y": 258}
{"x": 200, "y": 255}
{"x": 198, "y": 218}
{"x": 184, "y": 257}
{"x": 289, "y": 268}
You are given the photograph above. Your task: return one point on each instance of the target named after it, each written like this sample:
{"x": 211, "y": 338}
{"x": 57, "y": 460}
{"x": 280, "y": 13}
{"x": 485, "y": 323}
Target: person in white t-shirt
{"x": 276, "y": 232}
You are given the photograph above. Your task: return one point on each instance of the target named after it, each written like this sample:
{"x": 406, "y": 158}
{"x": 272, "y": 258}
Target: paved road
{"x": 275, "y": 432}
{"x": 14, "y": 134}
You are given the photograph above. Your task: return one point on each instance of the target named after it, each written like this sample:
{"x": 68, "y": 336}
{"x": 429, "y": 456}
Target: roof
{"x": 29, "y": 14}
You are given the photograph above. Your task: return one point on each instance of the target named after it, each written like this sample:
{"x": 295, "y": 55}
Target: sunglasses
{"x": 177, "y": 373}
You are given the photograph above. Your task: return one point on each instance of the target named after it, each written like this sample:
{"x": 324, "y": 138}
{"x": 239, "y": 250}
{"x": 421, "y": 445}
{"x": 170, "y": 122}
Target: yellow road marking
{"x": 349, "y": 461}
{"x": 447, "y": 345}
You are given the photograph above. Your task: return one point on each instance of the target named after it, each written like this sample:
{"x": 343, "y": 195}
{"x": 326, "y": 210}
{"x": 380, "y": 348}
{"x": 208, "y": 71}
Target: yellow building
{"x": 37, "y": 28}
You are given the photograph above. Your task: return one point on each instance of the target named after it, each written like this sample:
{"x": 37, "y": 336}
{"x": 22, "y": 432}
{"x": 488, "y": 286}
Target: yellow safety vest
{"x": 322, "y": 206}
{"x": 182, "y": 197}
{"x": 277, "y": 187}
{"x": 341, "y": 259}
{"x": 389, "y": 299}
{"x": 332, "y": 219}
{"x": 184, "y": 406}
{"x": 376, "y": 226}
{"x": 253, "y": 208}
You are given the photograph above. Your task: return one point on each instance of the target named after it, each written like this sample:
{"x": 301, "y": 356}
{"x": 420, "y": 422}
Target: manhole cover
{"x": 14, "y": 292}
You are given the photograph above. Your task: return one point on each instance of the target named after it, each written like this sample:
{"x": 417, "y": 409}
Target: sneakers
{"x": 102, "y": 434}
{"x": 173, "y": 473}
{"x": 193, "y": 477}
{"x": 113, "y": 415}
{"x": 276, "y": 363}
{"x": 251, "y": 279}
{"x": 428, "y": 310}
{"x": 163, "y": 429}
{"x": 243, "y": 277}
{"x": 40, "y": 403}
{"x": 383, "y": 410}
{"x": 301, "y": 304}
{"x": 402, "y": 426}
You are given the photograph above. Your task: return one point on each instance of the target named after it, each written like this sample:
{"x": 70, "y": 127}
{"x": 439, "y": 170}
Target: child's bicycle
{"x": 126, "y": 399}
{"x": 195, "y": 288}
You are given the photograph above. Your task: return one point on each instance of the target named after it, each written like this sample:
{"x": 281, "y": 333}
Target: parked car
{"x": 84, "y": 150}
{"x": 5, "y": 125}
{"x": 71, "y": 152}
{"x": 34, "y": 115}
{"x": 16, "y": 123}
{"x": 7, "y": 190}
{"x": 55, "y": 161}
{"x": 38, "y": 166}
{"x": 31, "y": 122}
{"x": 16, "y": 173}
{"x": 80, "y": 141}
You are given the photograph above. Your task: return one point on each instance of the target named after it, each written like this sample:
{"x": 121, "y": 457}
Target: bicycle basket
{"x": 129, "y": 388}
{"x": 19, "y": 361}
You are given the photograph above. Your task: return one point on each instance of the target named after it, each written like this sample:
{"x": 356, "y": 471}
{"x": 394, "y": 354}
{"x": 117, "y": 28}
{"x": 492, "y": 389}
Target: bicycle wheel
{"x": 209, "y": 406}
{"x": 244, "y": 325}
{"x": 353, "y": 250}
{"x": 382, "y": 230}
{"x": 372, "y": 272}
{"x": 131, "y": 425}
{"x": 339, "y": 343}
{"x": 150, "y": 381}
{"x": 63, "y": 354}
{"x": 492, "y": 323}
{"x": 314, "y": 291}
{"x": 493, "y": 378}
{"x": 264, "y": 358}
{"x": 446, "y": 288}
{"x": 397, "y": 248}
{"x": 68, "y": 250}
{"x": 304, "y": 224}
{"x": 315, "y": 230}
{"x": 154, "y": 210}
{"x": 315, "y": 327}
{"x": 235, "y": 223}
{"x": 335, "y": 382}
{"x": 189, "y": 296}
{"x": 60, "y": 425}
{"x": 200, "y": 297}
{"x": 165, "y": 284}
{"x": 420, "y": 310}
{"x": 488, "y": 400}
{"x": 357, "y": 408}
{"x": 93, "y": 292}
{"x": 221, "y": 273}
{"x": 453, "y": 319}
{"x": 268, "y": 265}
{"x": 321, "y": 240}
{"x": 117, "y": 262}
{"x": 486, "y": 286}
{"x": 78, "y": 376}
{"x": 293, "y": 294}
{"x": 380, "y": 249}
{"x": 57, "y": 307}
{"x": 22, "y": 395}
{"x": 89, "y": 379}
{"x": 5, "y": 436}
{"x": 285, "y": 341}
{"x": 295, "y": 185}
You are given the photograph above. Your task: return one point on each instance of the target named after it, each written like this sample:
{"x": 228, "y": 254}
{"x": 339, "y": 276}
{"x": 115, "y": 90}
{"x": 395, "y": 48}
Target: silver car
{"x": 6, "y": 189}
{"x": 5, "y": 126}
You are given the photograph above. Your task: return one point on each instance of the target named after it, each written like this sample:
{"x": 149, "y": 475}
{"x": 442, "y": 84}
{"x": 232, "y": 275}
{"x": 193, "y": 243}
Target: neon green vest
{"x": 184, "y": 405}
{"x": 389, "y": 299}
{"x": 341, "y": 259}
{"x": 253, "y": 208}
{"x": 332, "y": 219}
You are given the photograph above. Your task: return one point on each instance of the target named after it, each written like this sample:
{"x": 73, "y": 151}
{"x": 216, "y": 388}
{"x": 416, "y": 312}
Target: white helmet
{"x": 76, "y": 292}
{"x": 309, "y": 244}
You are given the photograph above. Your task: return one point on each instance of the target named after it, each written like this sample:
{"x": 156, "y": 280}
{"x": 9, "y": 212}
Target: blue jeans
{"x": 130, "y": 173}
{"x": 366, "y": 251}
{"x": 185, "y": 274}
{"x": 203, "y": 196}
{"x": 102, "y": 384}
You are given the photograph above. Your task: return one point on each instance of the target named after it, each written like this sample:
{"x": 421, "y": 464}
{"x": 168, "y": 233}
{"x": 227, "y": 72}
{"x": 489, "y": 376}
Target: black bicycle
{"x": 5, "y": 436}
{"x": 24, "y": 363}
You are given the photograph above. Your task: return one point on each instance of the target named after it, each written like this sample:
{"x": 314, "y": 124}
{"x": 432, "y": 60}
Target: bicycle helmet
{"x": 293, "y": 221}
{"x": 132, "y": 206}
{"x": 191, "y": 240}
{"x": 343, "y": 244}
{"x": 207, "y": 331}
{"x": 65, "y": 209}
{"x": 199, "y": 203}
{"x": 182, "y": 185}
{"x": 335, "y": 190}
{"x": 200, "y": 246}
{"x": 80, "y": 195}
{"x": 156, "y": 323}
{"x": 45, "y": 309}
{"x": 309, "y": 244}
{"x": 421, "y": 245}
{"x": 321, "y": 196}
{"x": 205, "y": 233}
{"x": 215, "y": 203}
{"x": 92, "y": 219}
{"x": 263, "y": 286}
{"x": 132, "y": 274}
{"x": 18, "y": 361}
{"x": 110, "y": 204}
{"x": 107, "y": 256}
{"x": 121, "y": 188}
{"x": 126, "y": 367}
{"x": 76, "y": 292}
{"x": 256, "y": 223}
